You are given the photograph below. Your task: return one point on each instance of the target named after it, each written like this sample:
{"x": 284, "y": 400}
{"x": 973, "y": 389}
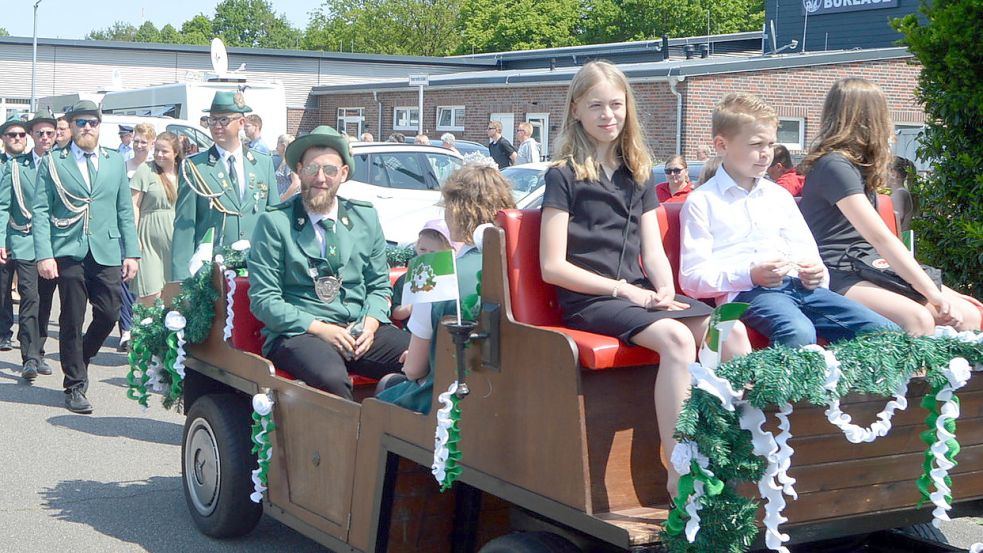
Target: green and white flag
{"x": 204, "y": 252}
{"x": 722, "y": 320}
{"x": 431, "y": 278}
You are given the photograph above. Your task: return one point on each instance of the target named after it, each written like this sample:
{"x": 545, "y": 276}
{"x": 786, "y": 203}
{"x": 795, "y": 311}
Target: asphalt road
{"x": 111, "y": 481}
{"x": 106, "y": 482}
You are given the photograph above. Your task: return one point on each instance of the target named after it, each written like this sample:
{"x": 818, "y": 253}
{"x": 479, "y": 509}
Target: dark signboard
{"x": 820, "y": 7}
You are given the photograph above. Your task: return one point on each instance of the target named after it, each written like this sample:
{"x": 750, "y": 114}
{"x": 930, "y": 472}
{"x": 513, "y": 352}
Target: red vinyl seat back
{"x": 668, "y": 214}
{"x": 533, "y": 300}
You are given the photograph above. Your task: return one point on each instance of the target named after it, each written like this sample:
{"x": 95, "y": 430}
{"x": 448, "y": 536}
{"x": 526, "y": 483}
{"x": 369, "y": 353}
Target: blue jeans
{"x": 793, "y": 315}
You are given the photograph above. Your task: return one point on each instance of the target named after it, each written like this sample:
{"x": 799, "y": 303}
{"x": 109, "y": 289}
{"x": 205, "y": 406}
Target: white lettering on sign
{"x": 820, "y": 7}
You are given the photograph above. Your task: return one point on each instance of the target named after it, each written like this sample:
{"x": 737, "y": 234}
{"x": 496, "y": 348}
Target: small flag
{"x": 908, "y": 238}
{"x": 430, "y": 278}
{"x": 204, "y": 252}
{"x": 722, "y": 320}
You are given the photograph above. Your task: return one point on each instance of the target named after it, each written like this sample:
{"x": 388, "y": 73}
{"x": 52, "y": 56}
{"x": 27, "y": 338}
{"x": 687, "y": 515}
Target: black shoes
{"x": 76, "y": 402}
{"x": 30, "y": 370}
{"x": 6, "y": 344}
{"x": 44, "y": 368}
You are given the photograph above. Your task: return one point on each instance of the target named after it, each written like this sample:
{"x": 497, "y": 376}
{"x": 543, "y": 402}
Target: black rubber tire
{"x": 927, "y": 532}
{"x": 217, "y": 441}
{"x": 530, "y": 542}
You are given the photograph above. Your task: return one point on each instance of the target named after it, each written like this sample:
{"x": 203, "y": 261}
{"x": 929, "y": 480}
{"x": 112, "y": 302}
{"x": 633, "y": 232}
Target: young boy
{"x": 744, "y": 240}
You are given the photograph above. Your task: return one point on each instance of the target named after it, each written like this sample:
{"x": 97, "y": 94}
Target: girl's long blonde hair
{"x": 856, "y": 124}
{"x": 575, "y": 146}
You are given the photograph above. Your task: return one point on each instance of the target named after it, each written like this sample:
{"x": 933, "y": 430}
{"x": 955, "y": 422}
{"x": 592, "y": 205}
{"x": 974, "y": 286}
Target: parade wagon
{"x": 556, "y": 446}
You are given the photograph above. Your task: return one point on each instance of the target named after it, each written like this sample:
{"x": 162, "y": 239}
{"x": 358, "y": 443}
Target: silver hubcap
{"x": 202, "y": 470}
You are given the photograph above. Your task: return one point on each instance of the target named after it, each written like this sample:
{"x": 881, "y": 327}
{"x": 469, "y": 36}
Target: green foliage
{"x": 253, "y": 24}
{"x": 496, "y": 25}
{"x": 147, "y": 33}
{"x": 4, "y": 32}
{"x": 399, "y": 256}
{"x": 169, "y": 35}
{"x": 945, "y": 39}
{"x": 404, "y": 27}
{"x": 621, "y": 20}
{"x": 197, "y": 30}
{"x": 119, "y": 31}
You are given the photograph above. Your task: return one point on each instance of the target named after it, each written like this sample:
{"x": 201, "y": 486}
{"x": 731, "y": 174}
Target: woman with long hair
{"x": 600, "y": 242}
{"x": 154, "y": 191}
{"x": 848, "y": 163}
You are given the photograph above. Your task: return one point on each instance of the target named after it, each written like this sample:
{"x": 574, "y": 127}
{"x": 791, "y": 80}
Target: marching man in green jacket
{"x": 318, "y": 275}
{"x": 225, "y": 188}
{"x": 83, "y": 220}
{"x": 18, "y": 190}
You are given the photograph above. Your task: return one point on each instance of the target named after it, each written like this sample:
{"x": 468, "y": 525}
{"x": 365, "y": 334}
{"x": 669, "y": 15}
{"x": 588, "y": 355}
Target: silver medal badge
{"x": 327, "y": 288}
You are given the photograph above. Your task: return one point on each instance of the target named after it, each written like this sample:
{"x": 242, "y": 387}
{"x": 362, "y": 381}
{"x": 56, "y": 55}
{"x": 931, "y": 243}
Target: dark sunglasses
{"x": 81, "y": 123}
{"x": 674, "y": 171}
{"x": 221, "y": 121}
{"x": 15, "y": 134}
{"x": 44, "y": 133}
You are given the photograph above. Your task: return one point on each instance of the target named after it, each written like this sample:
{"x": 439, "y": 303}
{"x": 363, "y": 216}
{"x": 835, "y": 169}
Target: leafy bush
{"x": 945, "y": 38}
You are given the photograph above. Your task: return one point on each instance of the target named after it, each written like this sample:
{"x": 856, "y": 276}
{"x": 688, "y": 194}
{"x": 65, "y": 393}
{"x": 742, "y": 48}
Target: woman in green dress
{"x": 154, "y": 191}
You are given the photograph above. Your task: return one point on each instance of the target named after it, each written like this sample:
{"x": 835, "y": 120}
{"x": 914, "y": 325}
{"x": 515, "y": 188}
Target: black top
{"x": 501, "y": 151}
{"x": 831, "y": 179}
{"x": 596, "y": 230}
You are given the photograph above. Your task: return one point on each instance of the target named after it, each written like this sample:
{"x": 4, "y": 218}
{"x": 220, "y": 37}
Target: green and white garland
{"x": 446, "y": 453}
{"x": 721, "y": 436}
{"x": 262, "y": 426}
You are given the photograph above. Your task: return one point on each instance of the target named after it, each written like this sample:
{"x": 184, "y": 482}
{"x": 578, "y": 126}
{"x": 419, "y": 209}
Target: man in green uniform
{"x": 13, "y": 134}
{"x": 225, "y": 188}
{"x": 84, "y": 220}
{"x": 17, "y": 194}
{"x": 318, "y": 275}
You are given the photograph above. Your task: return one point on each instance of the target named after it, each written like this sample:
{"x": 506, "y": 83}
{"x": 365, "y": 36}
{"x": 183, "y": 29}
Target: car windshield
{"x": 524, "y": 179}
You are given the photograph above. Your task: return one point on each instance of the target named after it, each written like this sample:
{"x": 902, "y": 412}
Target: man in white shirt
{"x": 743, "y": 239}
{"x": 528, "y": 148}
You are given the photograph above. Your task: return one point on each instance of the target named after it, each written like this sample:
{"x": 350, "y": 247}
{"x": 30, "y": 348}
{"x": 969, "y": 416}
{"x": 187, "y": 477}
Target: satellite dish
{"x": 220, "y": 59}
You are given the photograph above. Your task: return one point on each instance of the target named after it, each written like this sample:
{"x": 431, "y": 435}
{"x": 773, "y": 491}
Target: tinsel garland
{"x": 262, "y": 426}
{"x": 151, "y": 339}
{"x": 446, "y": 453}
{"x": 876, "y": 364}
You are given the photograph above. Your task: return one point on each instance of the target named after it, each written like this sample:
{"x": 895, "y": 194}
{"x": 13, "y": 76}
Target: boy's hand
{"x": 769, "y": 273}
{"x": 811, "y": 275}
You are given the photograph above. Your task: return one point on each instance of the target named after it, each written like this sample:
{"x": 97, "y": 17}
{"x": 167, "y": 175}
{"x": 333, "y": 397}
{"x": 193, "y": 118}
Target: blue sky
{"x": 74, "y": 19}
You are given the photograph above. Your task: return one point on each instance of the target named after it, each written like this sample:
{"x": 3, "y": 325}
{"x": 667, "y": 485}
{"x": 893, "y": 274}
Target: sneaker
{"x": 44, "y": 368}
{"x": 30, "y": 370}
{"x": 124, "y": 342}
{"x": 76, "y": 402}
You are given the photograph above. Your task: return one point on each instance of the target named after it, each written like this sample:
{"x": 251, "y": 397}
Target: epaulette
{"x": 361, "y": 203}
{"x": 279, "y": 207}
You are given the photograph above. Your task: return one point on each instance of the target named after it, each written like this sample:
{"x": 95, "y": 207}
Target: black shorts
{"x": 624, "y": 319}
{"x": 841, "y": 281}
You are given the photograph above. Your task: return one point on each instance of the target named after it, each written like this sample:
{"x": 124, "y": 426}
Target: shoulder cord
{"x": 82, "y": 211}
{"x": 200, "y": 187}
{"x": 19, "y": 194}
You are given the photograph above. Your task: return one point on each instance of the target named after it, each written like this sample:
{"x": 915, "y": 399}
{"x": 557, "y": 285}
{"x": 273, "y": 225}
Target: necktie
{"x": 330, "y": 239}
{"x": 91, "y": 166}
{"x": 233, "y": 175}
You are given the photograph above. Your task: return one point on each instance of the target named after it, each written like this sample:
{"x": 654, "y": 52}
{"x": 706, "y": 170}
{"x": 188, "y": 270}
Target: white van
{"x": 109, "y": 129}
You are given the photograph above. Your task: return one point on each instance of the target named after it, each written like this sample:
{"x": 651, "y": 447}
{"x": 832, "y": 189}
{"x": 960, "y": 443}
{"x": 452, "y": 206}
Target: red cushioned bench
{"x": 534, "y": 301}
{"x": 247, "y": 329}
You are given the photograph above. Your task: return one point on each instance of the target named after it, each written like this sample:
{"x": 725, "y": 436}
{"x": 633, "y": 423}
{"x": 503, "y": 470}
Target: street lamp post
{"x": 34, "y": 62}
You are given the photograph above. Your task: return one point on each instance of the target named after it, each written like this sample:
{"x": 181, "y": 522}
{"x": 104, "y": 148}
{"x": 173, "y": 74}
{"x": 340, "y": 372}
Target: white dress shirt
{"x": 315, "y": 218}
{"x": 79, "y": 154}
{"x": 240, "y": 167}
{"x": 726, "y": 230}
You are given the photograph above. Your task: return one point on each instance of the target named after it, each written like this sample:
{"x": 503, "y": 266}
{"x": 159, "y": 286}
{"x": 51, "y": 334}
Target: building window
{"x": 540, "y": 132}
{"x": 406, "y": 118}
{"x": 450, "y": 118}
{"x": 792, "y": 133}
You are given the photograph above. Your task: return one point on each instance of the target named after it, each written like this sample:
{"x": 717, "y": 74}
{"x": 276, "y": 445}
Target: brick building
{"x": 671, "y": 93}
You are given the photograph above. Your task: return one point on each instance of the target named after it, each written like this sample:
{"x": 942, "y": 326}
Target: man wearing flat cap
{"x": 125, "y": 142}
{"x": 13, "y": 133}
{"x": 18, "y": 189}
{"x": 84, "y": 235}
{"x": 318, "y": 275}
{"x": 225, "y": 188}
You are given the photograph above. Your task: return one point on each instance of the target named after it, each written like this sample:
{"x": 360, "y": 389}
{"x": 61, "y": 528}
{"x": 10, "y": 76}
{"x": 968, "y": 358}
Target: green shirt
{"x": 17, "y": 206}
{"x": 285, "y": 258}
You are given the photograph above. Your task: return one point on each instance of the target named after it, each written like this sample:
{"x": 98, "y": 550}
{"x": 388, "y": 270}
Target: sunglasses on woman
{"x": 674, "y": 171}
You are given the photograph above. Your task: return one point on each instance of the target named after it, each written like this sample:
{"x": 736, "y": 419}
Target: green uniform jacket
{"x": 195, "y": 214}
{"x": 15, "y": 226}
{"x": 106, "y": 219}
{"x": 284, "y": 254}
{"x": 418, "y": 396}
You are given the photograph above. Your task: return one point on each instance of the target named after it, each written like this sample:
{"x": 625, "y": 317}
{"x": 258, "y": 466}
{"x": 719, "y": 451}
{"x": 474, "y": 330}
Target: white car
{"x": 403, "y": 182}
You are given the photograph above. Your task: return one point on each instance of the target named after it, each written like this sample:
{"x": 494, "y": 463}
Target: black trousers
{"x": 46, "y": 296}
{"x": 320, "y": 365}
{"x": 80, "y": 282}
{"x": 6, "y": 300}
{"x": 35, "y": 298}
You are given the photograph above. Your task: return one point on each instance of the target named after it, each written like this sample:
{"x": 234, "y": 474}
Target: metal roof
{"x": 336, "y": 56}
{"x": 660, "y": 70}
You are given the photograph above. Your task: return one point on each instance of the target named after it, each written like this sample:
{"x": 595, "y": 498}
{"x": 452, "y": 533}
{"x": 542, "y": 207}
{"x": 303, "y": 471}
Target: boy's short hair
{"x": 255, "y": 120}
{"x": 782, "y": 156}
{"x": 737, "y": 110}
{"x": 436, "y": 235}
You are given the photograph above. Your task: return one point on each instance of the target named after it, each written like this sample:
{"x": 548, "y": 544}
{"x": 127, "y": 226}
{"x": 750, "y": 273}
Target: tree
{"x": 197, "y": 30}
{"x": 619, "y": 20}
{"x": 119, "y": 31}
{"x": 949, "y": 227}
{"x": 253, "y": 24}
{"x": 416, "y": 27}
{"x": 3, "y": 32}
{"x": 170, "y": 35}
{"x": 496, "y": 25}
{"x": 147, "y": 33}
